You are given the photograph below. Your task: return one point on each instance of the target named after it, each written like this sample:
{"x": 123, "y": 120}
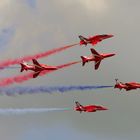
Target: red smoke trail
{"x": 40, "y": 55}
{"x": 59, "y": 67}
{"x": 22, "y": 78}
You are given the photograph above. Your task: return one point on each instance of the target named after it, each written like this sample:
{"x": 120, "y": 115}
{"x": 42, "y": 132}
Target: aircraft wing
{"x": 133, "y": 84}
{"x": 35, "y": 62}
{"x": 129, "y": 84}
{"x": 97, "y": 64}
{"x": 95, "y": 53}
{"x": 36, "y": 74}
{"x": 96, "y": 39}
{"x": 94, "y": 42}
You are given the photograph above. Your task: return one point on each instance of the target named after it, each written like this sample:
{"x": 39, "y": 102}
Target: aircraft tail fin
{"x": 83, "y": 40}
{"x": 116, "y": 80}
{"x": 78, "y": 105}
{"x": 84, "y": 60}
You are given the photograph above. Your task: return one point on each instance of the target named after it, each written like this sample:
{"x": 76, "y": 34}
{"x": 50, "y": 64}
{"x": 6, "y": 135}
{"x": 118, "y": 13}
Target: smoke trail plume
{"x": 1, "y": 68}
{"x": 45, "y": 89}
{"x": 22, "y": 78}
{"x": 28, "y": 58}
{"x": 12, "y": 111}
{"x": 60, "y": 67}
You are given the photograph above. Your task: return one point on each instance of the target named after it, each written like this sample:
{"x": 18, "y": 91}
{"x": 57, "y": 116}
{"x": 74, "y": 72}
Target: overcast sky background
{"x": 31, "y": 26}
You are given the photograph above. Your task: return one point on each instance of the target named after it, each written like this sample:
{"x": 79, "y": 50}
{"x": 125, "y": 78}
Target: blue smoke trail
{"x": 17, "y": 111}
{"x": 44, "y": 89}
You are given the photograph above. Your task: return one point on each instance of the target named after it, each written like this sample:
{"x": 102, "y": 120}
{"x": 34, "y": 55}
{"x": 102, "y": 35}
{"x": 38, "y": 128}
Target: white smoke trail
{"x": 17, "y": 111}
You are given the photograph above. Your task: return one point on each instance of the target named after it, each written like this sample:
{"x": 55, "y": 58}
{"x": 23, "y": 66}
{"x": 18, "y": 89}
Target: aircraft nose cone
{"x": 104, "y": 108}
{"x": 110, "y": 35}
{"x": 112, "y": 54}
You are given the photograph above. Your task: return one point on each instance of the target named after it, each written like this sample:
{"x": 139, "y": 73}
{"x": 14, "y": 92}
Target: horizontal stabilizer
{"x": 84, "y": 60}
{"x": 22, "y": 67}
{"x": 82, "y": 38}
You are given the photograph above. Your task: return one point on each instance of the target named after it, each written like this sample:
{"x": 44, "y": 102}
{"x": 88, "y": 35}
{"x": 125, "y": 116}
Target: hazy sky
{"x": 31, "y": 26}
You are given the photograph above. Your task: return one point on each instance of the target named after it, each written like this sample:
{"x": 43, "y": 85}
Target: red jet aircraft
{"x": 126, "y": 86}
{"x": 94, "y": 39}
{"x": 88, "y": 108}
{"x": 36, "y": 67}
{"x": 95, "y": 57}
